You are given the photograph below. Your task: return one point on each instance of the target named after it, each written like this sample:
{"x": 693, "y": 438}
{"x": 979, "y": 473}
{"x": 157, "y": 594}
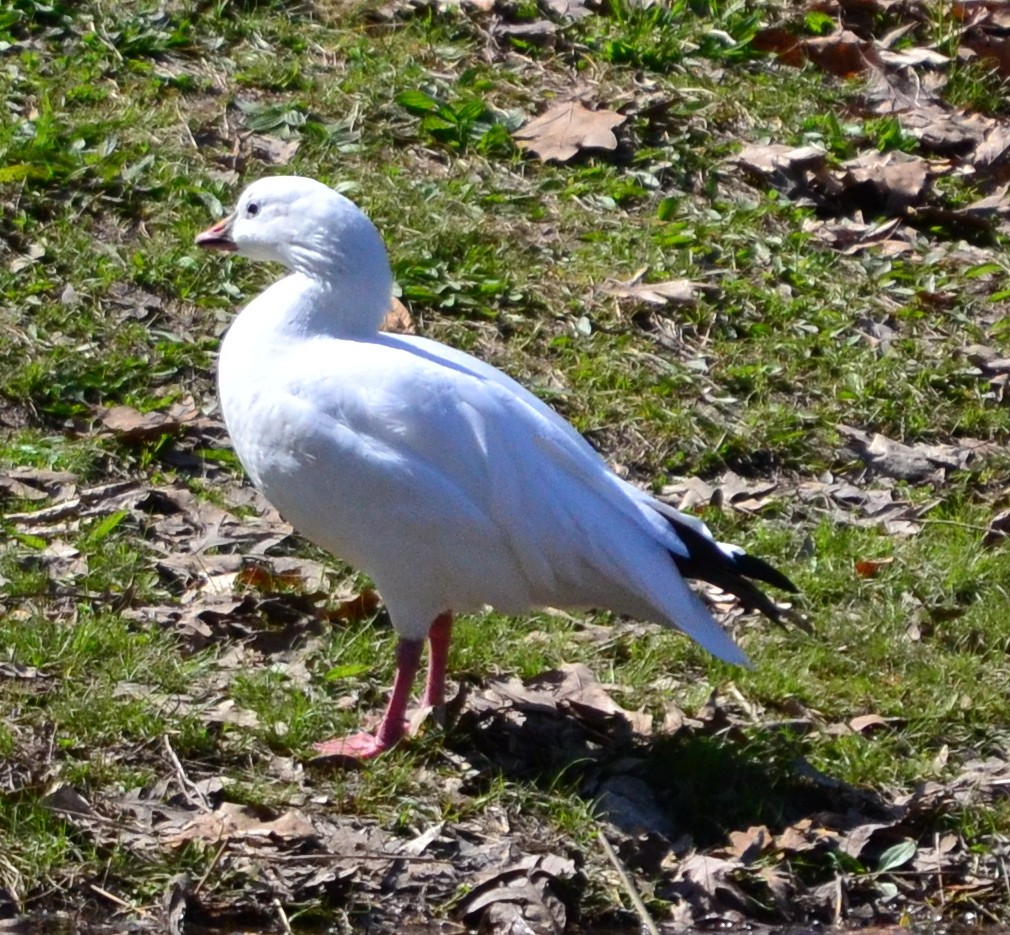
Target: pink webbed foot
{"x": 359, "y": 746}
{"x": 364, "y": 746}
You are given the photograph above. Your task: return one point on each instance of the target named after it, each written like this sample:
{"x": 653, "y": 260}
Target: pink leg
{"x": 391, "y": 729}
{"x": 438, "y": 654}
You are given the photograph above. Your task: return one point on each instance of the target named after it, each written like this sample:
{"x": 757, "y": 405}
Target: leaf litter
{"x": 561, "y": 721}
{"x": 854, "y": 196}
{"x": 286, "y": 856}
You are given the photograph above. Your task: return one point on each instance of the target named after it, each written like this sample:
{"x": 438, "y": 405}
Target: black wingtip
{"x": 750, "y": 566}
{"x": 730, "y": 570}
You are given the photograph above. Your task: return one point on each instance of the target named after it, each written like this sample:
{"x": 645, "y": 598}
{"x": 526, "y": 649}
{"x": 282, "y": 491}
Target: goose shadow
{"x": 687, "y": 788}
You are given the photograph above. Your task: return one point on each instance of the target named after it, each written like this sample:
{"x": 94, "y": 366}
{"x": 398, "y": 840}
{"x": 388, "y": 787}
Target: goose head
{"x": 313, "y": 231}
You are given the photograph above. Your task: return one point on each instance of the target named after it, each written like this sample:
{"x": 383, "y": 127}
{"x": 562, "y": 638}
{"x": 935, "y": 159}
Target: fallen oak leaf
{"x": 747, "y": 845}
{"x": 528, "y": 884}
{"x": 574, "y": 686}
{"x": 998, "y": 530}
{"x": 790, "y": 169}
{"x": 231, "y": 820}
{"x": 537, "y": 32}
{"x": 914, "y": 463}
{"x": 130, "y": 424}
{"x": 804, "y": 836}
{"x": 870, "y": 567}
{"x": 707, "y": 885}
{"x": 398, "y": 319}
{"x": 842, "y": 53}
{"x": 680, "y": 291}
{"x": 787, "y": 46}
{"x": 563, "y": 130}
{"x": 991, "y": 47}
{"x": 868, "y": 723}
{"x": 897, "y": 180}
{"x": 568, "y": 9}
{"x": 273, "y": 150}
{"x": 916, "y": 57}
{"x": 354, "y": 607}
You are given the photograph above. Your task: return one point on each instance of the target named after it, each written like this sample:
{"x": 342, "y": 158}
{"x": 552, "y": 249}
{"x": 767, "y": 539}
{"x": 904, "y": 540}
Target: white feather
{"x": 451, "y": 485}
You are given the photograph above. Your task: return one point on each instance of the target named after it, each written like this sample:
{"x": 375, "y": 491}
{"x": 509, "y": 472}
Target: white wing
{"x": 454, "y": 487}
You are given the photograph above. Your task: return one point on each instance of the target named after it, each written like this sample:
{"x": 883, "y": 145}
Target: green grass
{"x": 129, "y": 131}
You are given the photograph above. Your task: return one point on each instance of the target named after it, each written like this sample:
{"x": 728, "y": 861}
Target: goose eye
{"x": 252, "y": 209}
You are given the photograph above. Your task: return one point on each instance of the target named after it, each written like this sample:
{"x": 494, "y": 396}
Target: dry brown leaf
{"x": 575, "y": 685}
{"x": 870, "y": 567}
{"x": 563, "y": 130}
{"x": 129, "y": 424}
{"x": 482, "y": 6}
{"x": 851, "y": 236}
{"x": 398, "y": 319}
{"x": 254, "y": 575}
{"x": 805, "y": 836}
{"x": 786, "y": 45}
{"x": 899, "y": 179}
{"x": 231, "y": 821}
{"x": 944, "y": 132}
{"x": 520, "y": 897}
{"x": 998, "y": 530}
{"x": 915, "y": 57}
{"x": 747, "y": 845}
{"x": 730, "y": 489}
{"x": 680, "y": 291}
{"x": 771, "y": 158}
{"x": 537, "y": 32}
{"x": 867, "y": 723}
{"x": 355, "y": 607}
{"x": 28, "y": 483}
{"x": 273, "y": 150}
{"x": 859, "y": 838}
{"x": 228, "y": 712}
{"x": 780, "y": 884}
{"x": 63, "y": 561}
{"x": 707, "y": 885}
{"x": 993, "y": 13}
{"x": 993, "y": 153}
{"x": 841, "y": 53}
{"x": 568, "y": 9}
{"x": 914, "y": 463}
{"x": 989, "y": 45}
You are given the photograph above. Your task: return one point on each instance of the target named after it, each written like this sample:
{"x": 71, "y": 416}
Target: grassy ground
{"x": 130, "y": 126}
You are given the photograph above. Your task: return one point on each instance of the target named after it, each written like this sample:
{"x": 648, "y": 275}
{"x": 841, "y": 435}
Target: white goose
{"x": 446, "y": 481}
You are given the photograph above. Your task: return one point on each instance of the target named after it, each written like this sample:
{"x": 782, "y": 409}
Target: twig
{"x": 111, "y": 897}
{"x": 983, "y": 911}
{"x": 283, "y": 916}
{"x": 925, "y": 520}
{"x": 193, "y": 793}
{"x": 636, "y": 900}
{"x": 399, "y": 858}
{"x": 939, "y": 870}
{"x": 210, "y": 868}
{"x": 186, "y": 129}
